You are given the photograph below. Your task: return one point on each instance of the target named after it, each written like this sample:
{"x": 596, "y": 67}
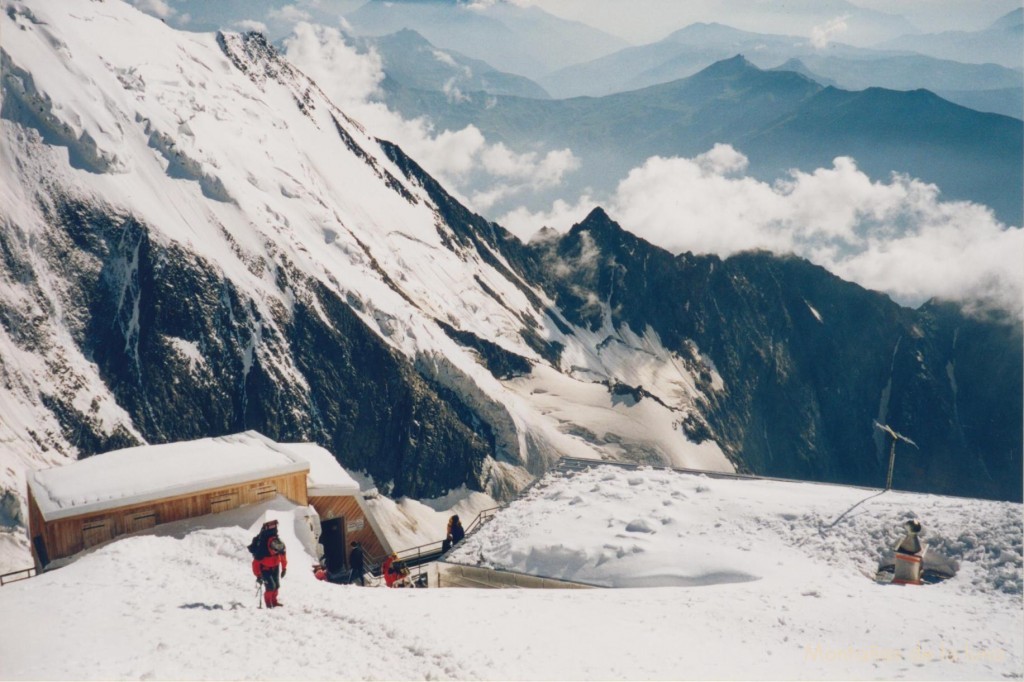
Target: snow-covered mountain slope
{"x": 196, "y": 241}
{"x": 180, "y": 602}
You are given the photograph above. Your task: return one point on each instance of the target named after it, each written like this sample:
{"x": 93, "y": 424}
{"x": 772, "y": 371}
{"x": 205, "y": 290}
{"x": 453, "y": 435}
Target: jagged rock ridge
{"x": 204, "y": 243}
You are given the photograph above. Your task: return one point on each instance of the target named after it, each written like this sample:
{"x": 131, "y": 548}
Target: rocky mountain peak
{"x": 255, "y": 259}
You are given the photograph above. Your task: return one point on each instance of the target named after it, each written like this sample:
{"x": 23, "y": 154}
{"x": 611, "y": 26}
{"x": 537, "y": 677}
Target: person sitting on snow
{"x": 270, "y": 564}
{"x": 910, "y": 544}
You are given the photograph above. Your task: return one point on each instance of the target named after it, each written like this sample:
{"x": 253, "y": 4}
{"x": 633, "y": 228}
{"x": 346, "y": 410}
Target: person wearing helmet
{"x": 270, "y": 564}
{"x": 910, "y": 544}
{"x": 909, "y": 555}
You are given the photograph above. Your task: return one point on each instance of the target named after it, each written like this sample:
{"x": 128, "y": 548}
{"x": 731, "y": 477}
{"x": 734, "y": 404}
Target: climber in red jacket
{"x": 269, "y": 563}
{"x": 393, "y": 574}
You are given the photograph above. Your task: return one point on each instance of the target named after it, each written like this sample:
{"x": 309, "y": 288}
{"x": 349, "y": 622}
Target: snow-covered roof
{"x": 150, "y": 472}
{"x": 326, "y": 478}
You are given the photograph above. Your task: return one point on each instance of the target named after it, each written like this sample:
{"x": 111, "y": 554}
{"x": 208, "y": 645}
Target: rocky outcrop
{"x": 809, "y": 362}
{"x": 188, "y": 355}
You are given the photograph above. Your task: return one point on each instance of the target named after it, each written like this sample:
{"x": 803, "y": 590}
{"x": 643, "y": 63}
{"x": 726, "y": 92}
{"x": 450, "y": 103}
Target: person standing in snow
{"x": 270, "y": 563}
{"x": 355, "y": 561}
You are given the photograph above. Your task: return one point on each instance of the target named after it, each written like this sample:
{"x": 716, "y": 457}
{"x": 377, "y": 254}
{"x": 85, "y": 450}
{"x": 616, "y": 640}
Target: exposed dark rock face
{"x": 809, "y": 361}
{"x": 790, "y": 366}
{"x": 10, "y": 510}
{"x": 499, "y": 362}
{"x": 188, "y": 355}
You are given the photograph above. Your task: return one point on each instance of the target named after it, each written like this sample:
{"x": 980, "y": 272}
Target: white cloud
{"x": 462, "y": 160}
{"x": 347, "y": 77}
{"x": 156, "y": 8}
{"x": 291, "y": 14}
{"x": 500, "y": 161}
{"x": 528, "y": 225}
{"x": 825, "y": 33}
{"x": 446, "y": 59}
{"x": 251, "y": 25}
{"x": 453, "y": 93}
{"x": 897, "y": 236}
{"x": 722, "y": 159}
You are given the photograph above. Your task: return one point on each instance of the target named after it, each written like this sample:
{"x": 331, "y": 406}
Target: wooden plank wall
{"x": 65, "y": 537}
{"x": 36, "y": 527}
{"x": 332, "y": 507}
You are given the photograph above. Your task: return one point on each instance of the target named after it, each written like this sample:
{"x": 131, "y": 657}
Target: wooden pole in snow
{"x": 892, "y": 450}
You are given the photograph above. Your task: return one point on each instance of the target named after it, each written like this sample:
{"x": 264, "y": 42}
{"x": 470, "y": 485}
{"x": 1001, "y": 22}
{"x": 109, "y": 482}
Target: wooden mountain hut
{"x": 341, "y": 506}
{"x": 92, "y": 501}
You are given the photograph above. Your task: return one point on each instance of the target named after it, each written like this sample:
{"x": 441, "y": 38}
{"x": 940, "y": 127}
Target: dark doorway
{"x": 40, "y": 546}
{"x": 332, "y": 537}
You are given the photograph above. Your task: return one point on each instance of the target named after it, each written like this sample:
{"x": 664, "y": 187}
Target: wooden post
{"x": 892, "y": 462}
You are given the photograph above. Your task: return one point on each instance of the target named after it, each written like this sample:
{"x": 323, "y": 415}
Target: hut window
{"x": 223, "y": 502}
{"x": 265, "y": 490}
{"x": 96, "y": 532}
{"x": 140, "y": 520}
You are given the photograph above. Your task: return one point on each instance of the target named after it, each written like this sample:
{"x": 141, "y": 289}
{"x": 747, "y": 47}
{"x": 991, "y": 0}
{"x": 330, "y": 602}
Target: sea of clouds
{"x": 897, "y": 236}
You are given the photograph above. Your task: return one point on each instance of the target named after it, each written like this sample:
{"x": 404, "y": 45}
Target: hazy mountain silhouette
{"x": 690, "y": 49}
{"x": 522, "y": 40}
{"x": 780, "y": 119}
{"x": 1001, "y": 43}
{"x": 415, "y": 62}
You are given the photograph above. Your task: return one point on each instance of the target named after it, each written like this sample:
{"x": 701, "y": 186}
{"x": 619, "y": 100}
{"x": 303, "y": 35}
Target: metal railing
{"x": 416, "y": 558}
{"x": 571, "y": 464}
{"x": 484, "y": 515}
{"x": 15, "y": 576}
{"x": 459, "y": 575}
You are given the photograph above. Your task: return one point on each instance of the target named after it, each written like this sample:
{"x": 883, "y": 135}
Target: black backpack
{"x": 258, "y": 547}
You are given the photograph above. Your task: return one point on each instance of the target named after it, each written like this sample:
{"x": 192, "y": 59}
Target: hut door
{"x": 96, "y": 532}
{"x": 332, "y": 537}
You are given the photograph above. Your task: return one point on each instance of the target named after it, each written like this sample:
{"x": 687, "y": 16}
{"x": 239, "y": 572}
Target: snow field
{"x": 666, "y": 521}
{"x": 752, "y": 586}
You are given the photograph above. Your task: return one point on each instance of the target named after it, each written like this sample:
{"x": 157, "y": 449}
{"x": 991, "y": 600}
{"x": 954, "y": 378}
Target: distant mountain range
{"x": 780, "y": 120}
{"x": 513, "y": 38}
{"x": 691, "y": 49}
{"x": 412, "y": 61}
{"x": 993, "y": 89}
{"x": 1001, "y": 43}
